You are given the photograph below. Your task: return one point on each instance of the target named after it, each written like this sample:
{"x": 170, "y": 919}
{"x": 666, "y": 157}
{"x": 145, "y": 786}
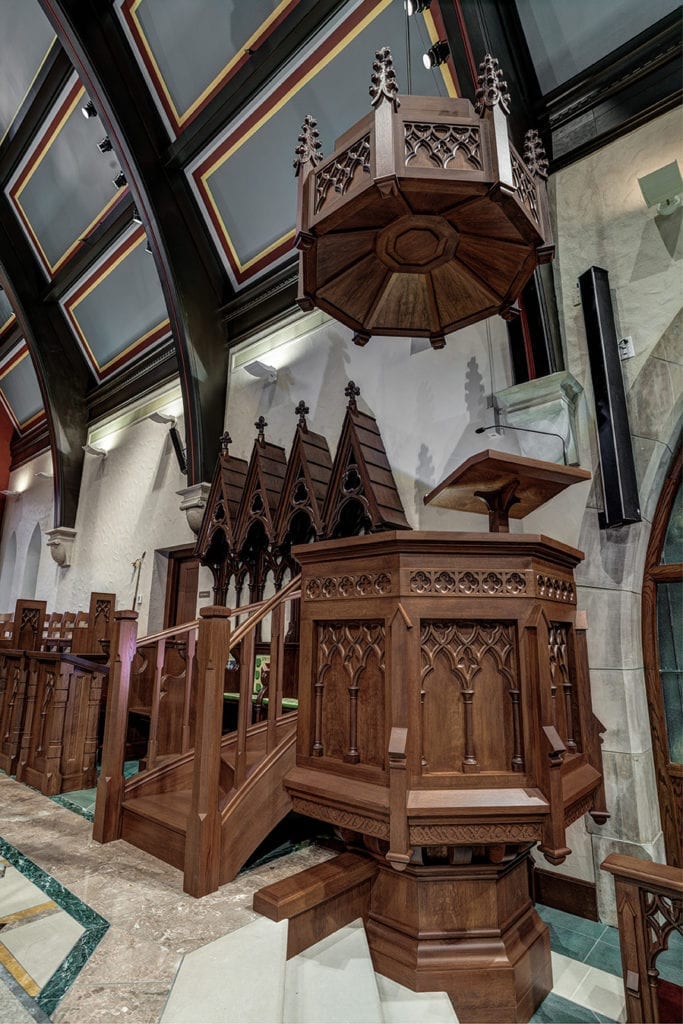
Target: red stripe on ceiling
{"x": 102, "y": 270}
{"x": 471, "y": 62}
{"x": 222, "y": 80}
{"x": 46, "y": 139}
{"x": 435, "y": 12}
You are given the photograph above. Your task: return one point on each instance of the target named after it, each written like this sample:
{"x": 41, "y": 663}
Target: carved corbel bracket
{"x": 60, "y": 542}
{"x": 193, "y": 503}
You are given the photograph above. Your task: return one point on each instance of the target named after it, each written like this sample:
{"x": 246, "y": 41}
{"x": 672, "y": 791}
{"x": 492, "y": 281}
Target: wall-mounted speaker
{"x": 178, "y": 449}
{"x": 619, "y": 486}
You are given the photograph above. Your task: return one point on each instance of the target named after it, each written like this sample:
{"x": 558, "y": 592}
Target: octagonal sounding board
{"x": 425, "y": 218}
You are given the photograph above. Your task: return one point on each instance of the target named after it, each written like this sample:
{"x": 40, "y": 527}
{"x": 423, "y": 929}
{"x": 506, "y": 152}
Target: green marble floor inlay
{"x": 95, "y": 926}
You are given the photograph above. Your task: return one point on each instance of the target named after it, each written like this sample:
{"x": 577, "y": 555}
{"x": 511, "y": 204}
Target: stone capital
{"x": 60, "y": 542}
{"x": 193, "y": 503}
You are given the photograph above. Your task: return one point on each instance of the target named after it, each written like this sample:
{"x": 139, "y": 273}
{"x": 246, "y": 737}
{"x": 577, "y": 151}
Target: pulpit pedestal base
{"x": 469, "y": 930}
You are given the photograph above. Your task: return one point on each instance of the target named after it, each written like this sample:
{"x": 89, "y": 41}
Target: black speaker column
{"x": 619, "y": 486}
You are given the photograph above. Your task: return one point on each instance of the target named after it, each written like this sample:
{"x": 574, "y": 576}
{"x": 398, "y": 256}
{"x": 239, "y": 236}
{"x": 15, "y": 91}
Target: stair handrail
{"x": 286, "y": 593}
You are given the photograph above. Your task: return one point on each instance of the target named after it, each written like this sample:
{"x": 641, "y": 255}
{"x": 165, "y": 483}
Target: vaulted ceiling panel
{"x": 6, "y": 312}
{"x": 26, "y": 38}
{"x": 188, "y": 51}
{"x": 118, "y": 308}
{"x": 244, "y": 181}
{"x": 19, "y": 389}
{"x": 64, "y": 185}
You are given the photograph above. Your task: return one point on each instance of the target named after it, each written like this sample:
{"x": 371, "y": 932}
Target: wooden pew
{"x": 649, "y": 908}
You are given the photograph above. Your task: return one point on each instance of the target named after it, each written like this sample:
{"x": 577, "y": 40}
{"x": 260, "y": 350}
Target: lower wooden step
{"x": 319, "y": 900}
{"x": 157, "y": 824}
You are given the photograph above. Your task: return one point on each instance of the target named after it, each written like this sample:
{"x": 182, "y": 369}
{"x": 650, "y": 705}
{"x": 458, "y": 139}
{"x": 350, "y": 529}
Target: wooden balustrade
{"x": 190, "y": 786}
{"x": 650, "y": 908}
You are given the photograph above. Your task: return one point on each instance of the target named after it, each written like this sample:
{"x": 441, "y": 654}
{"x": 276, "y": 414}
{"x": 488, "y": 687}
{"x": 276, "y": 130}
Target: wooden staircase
{"x": 206, "y": 808}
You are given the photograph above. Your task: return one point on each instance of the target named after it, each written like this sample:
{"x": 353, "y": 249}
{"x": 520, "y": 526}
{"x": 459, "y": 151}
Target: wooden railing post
{"x": 202, "y": 839}
{"x": 153, "y": 745}
{"x": 246, "y": 685}
{"x": 277, "y": 665}
{"x": 189, "y": 682}
{"x": 107, "y": 824}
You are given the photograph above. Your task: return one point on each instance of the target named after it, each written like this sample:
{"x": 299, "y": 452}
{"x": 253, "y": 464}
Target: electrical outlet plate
{"x": 626, "y": 349}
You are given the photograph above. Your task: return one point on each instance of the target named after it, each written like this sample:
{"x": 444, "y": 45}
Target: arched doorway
{"x": 30, "y": 581}
{"x": 663, "y": 655}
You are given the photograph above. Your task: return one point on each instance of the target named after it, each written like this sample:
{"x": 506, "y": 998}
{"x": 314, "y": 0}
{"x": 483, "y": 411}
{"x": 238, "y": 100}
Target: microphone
{"x": 527, "y": 430}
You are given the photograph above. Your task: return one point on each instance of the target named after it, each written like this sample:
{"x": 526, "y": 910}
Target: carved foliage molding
{"x": 502, "y": 832}
{"x": 343, "y": 819}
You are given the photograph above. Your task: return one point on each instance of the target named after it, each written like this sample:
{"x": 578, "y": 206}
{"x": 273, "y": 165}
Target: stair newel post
{"x": 153, "y": 744}
{"x": 277, "y": 664}
{"x": 187, "y": 696}
{"x": 247, "y": 657}
{"x": 203, "y": 836}
{"x": 110, "y": 786}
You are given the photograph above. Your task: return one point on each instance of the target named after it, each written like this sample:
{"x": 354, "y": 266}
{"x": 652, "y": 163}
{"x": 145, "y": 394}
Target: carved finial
{"x": 226, "y": 441}
{"x": 302, "y": 412}
{"x": 307, "y": 150}
{"x": 383, "y": 78}
{"x": 493, "y": 89}
{"x": 261, "y": 427}
{"x": 534, "y": 154}
{"x": 352, "y": 392}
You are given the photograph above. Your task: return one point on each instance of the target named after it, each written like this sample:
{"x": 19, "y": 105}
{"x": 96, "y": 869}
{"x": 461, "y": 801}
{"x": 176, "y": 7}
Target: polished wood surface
{"x": 511, "y": 486}
{"x": 445, "y": 727}
{"x": 649, "y": 908}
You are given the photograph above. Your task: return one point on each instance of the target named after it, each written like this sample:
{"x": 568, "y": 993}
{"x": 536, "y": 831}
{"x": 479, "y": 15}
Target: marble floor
{"x": 93, "y": 934}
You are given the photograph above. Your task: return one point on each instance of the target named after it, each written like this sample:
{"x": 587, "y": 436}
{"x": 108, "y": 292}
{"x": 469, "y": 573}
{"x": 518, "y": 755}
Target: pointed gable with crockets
{"x": 222, "y": 506}
{"x": 362, "y": 495}
{"x": 262, "y": 488}
{"x": 309, "y": 469}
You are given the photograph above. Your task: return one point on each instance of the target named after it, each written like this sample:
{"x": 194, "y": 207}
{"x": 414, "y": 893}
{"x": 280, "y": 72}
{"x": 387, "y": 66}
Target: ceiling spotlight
{"x": 416, "y": 6}
{"x": 262, "y": 371}
{"x": 91, "y": 449}
{"x": 89, "y": 109}
{"x": 436, "y": 54}
{"x": 10, "y": 494}
{"x": 162, "y": 417}
{"x": 120, "y": 181}
{"x": 136, "y": 218}
{"x": 148, "y": 249}
{"x": 44, "y": 476}
{"x": 104, "y": 145}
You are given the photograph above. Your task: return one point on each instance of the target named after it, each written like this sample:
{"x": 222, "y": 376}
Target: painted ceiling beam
{"x": 59, "y": 364}
{"x": 191, "y": 277}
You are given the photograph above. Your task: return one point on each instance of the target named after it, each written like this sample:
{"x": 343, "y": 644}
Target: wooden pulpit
{"x": 445, "y": 728}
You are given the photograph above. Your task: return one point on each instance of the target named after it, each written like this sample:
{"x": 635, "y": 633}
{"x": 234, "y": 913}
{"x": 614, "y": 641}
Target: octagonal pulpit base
{"x": 469, "y": 930}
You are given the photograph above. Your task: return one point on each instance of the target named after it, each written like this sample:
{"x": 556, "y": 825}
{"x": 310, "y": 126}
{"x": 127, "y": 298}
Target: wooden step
{"x": 340, "y": 885}
{"x": 157, "y": 824}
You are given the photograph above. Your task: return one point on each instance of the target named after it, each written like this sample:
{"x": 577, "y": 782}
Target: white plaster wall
{"x": 427, "y": 403}
{"x": 600, "y": 219}
{"x": 128, "y": 504}
{"x": 33, "y": 505}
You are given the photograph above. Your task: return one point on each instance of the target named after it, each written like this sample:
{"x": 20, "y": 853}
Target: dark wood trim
{"x": 148, "y": 372}
{"x": 263, "y": 303}
{"x": 563, "y": 892}
{"x": 630, "y": 86}
{"x": 28, "y": 445}
{"x": 669, "y": 782}
{"x": 51, "y": 79}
